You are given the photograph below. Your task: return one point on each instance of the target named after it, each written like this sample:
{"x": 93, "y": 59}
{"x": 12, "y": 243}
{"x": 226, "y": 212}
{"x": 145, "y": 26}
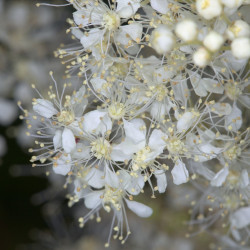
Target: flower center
{"x": 232, "y": 153}
{"x": 101, "y": 148}
{"x": 111, "y": 20}
{"x": 112, "y": 196}
{"x": 116, "y": 110}
{"x": 65, "y": 117}
{"x": 232, "y": 91}
{"x": 139, "y": 160}
{"x": 159, "y": 90}
{"x": 119, "y": 69}
{"x": 175, "y": 146}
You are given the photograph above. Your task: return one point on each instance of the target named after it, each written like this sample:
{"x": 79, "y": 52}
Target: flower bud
{"x": 201, "y": 57}
{"x": 241, "y": 47}
{"x": 186, "y": 30}
{"x": 162, "y": 39}
{"x": 238, "y": 29}
{"x": 213, "y": 41}
{"x": 209, "y": 8}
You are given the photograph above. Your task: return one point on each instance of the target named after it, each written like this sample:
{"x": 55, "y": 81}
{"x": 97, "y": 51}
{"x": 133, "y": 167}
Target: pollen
{"x": 111, "y": 20}
{"x": 116, "y": 110}
{"x": 101, "y": 148}
{"x": 113, "y": 197}
{"x": 140, "y": 159}
{"x": 65, "y": 117}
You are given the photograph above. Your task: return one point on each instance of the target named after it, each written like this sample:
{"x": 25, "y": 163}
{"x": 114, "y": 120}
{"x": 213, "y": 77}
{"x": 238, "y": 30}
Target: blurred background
{"x": 33, "y": 208}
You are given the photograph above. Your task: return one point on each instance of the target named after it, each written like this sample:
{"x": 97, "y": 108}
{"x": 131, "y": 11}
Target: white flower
{"x": 107, "y": 22}
{"x": 201, "y": 57}
{"x": 241, "y": 47}
{"x": 162, "y": 39}
{"x": 213, "y": 41}
{"x": 209, "y": 8}
{"x": 186, "y": 30}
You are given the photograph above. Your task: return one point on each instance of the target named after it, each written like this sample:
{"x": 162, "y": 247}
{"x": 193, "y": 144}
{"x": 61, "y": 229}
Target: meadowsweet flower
{"x": 164, "y": 87}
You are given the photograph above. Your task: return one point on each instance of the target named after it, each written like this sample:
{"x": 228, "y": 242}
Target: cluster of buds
{"x": 163, "y": 97}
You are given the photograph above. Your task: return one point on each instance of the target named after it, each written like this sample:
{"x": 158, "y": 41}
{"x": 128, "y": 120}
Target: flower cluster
{"x": 164, "y": 87}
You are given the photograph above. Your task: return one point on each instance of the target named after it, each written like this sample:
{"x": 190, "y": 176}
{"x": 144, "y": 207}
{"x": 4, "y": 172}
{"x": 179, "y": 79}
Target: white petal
{"x": 185, "y": 122}
{"x": 127, "y": 149}
{"x": 44, "y": 108}
{"x": 98, "y": 85}
{"x": 126, "y": 8}
{"x": 117, "y": 154}
{"x": 95, "y": 178}
{"x": 180, "y": 173}
{"x": 160, "y": 5}
{"x": 161, "y": 180}
{"x": 92, "y": 200}
{"x": 68, "y": 140}
{"x": 77, "y": 33}
{"x": 96, "y": 122}
{"x": 234, "y": 120}
{"x": 221, "y": 108}
{"x": 139, "y": 208}
{"x": 220, "y": 177}
{"x": 81, "y": 151}
{"x": 133, "y": 185}
{"x": 244, "y": 179}
{"x": 134, "y": 130}
{"x": 57, "y": 139}
{"x": 181, "y": 90}
{"x": 156, "y": 141}
{"x": 241, "y": 218}
{"x": 121, "y": 37}
{"x": 164, "y": 74}
{"x": 199, "y": 88}
{"x": 111, "y": 178}
{"x": 245, "y": 100}
{"x": 79, "y": 191}
{"x": 212, "y": 85}
{"x": 79, "y": 102}
{"x": 134, "y": 30}
{"x": 78, "y": 17}
{"x": 210, "y": 150}
{"x": 62, "y": 164}
{"x": 94, "y": 36}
